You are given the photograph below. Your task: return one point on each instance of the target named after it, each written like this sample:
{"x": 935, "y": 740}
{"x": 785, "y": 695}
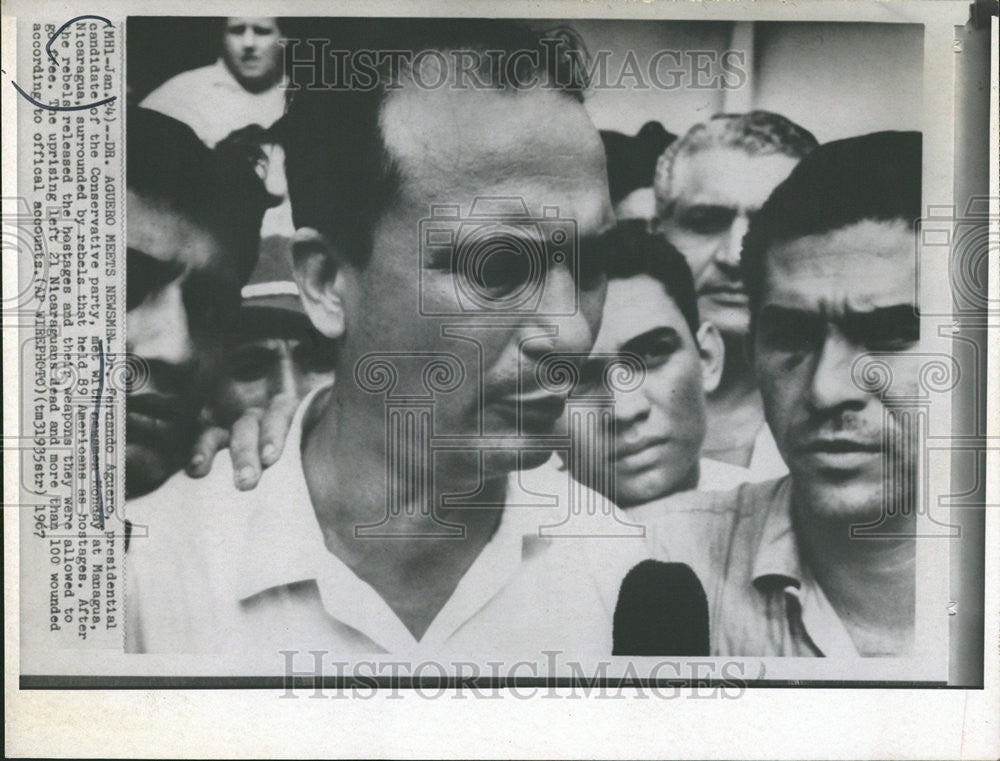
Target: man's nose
{"x": 631, "y": 407}
{"x": 249, "y": 39}
{"x": 159, "y": 330}
{"x": 832, "y": 385}
{"x": 562, "y": 307}
{"x": 728, "y": 251}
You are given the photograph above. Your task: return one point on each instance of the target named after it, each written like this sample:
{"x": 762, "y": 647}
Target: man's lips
{"x": 627, "y": 449}
{"x": 536, "y": 411}
{"x": 842, "y": 446}
{"x": 841, "y": 453}
{"x": 640, "y": 454}
{"x": 725, "y": 292}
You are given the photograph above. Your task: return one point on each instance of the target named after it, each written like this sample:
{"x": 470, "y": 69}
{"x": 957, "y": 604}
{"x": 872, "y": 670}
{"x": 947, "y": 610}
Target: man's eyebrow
{"x": 893, "y": 319}
{"x": 706, "y": 208}
{"x": 857, "y": 321}
{"x": 900, "y": 311}
{"x": 637, "y": 343}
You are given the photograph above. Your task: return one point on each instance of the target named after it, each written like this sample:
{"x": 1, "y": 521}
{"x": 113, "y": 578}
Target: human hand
{"x": 256, "y": 441}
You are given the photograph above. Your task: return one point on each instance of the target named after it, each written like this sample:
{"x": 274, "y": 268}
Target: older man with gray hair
{"x": 708, "y": 186}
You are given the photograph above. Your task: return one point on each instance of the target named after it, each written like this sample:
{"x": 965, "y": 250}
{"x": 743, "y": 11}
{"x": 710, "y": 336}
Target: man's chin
{"x": 632, "y": 492}
{"x": 853, "y": 504}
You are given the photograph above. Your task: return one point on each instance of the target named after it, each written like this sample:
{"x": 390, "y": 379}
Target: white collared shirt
{"x": 213, "y": 103}
{"x": 212, "y": 569}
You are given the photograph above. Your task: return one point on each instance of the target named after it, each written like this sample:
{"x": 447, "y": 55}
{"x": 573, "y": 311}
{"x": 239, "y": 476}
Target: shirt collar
{"x": 283, "y": 542}
{"x": 778, "y": 552}
{"x": 778, "y": 562}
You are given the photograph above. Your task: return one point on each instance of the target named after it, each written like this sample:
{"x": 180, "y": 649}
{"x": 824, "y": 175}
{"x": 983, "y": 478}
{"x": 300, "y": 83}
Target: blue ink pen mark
{"x": 60, "y": 30}
{"x": 51, "y": 54}
{"x": 47, "y": 107}
{"x": 94, "y": 449}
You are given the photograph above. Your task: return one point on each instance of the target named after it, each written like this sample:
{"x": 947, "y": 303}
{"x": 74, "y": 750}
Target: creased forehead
{"x": 863, "y": 266}
{"x": 729, "y": 177}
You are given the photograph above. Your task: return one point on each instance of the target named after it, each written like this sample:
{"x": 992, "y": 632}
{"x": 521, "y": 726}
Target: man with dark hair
{"x": 829, "y": 265}
{"x": 651, "y": 315}
{"x": 385, "y": 527}
{"x": 631, "y": 164}
{"x": 193, "y": 227}
{"x": 709, "y": 185}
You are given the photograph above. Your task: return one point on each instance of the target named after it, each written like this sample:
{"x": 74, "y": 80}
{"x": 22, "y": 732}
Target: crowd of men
{"x": 399, "y": 464}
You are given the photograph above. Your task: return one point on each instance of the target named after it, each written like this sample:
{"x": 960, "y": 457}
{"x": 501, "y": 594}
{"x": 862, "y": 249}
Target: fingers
{"x": 274, "y": 427}
{"x": 211, "y": 440}
{"x": 244, "y": 446}
{"x": 255, "y": 441}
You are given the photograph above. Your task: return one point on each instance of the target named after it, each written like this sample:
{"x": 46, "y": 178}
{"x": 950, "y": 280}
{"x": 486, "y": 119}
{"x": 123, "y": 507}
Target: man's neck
{"x": 417, "y": 568}
{"x": 870, "y": 582}
{"x": 735, "y": 411}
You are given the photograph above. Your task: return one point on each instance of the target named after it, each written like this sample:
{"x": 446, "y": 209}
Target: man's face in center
{"x": 715, "y": 191}
{"x": 454, "y": 147}
{"x": 660, "y": 426}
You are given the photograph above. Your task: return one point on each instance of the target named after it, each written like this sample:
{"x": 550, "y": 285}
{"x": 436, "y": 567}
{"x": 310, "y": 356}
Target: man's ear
{"x": 713, "y": 356}
{"x": 319, "y": 273}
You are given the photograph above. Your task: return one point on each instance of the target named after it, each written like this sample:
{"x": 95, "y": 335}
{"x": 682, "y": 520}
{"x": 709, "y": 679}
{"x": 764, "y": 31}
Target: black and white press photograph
{"x": 543, "y": 352}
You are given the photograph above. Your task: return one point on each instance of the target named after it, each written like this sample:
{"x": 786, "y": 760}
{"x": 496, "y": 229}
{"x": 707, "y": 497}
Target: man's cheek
{"x": 697, "y": 251}
{"x": 778, "y": 401}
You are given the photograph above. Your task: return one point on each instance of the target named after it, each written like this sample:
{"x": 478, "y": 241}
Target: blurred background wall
{"x": 834, "y": 79}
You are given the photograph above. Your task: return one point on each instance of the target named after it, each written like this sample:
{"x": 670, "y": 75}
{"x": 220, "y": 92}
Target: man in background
{"x": 243, "y": 87}
{"x": 631, "y": 164}
{"x": 651, "y": 317}
{"x": 274, "y": 357}
{"x": 709, "y": 184}
{"x": 822, "y": 561}
{"x": 193, "y": 229}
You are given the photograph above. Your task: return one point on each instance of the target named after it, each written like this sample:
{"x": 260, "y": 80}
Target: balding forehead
{"x": 449, "y": 141}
